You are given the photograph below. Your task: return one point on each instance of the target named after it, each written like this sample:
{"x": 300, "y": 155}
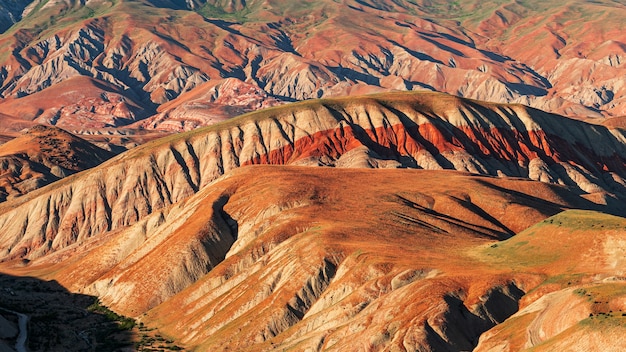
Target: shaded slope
{"x": 59, "y": 320}
{"x": 41, "y": 156}
{"x": 431, "y": 131}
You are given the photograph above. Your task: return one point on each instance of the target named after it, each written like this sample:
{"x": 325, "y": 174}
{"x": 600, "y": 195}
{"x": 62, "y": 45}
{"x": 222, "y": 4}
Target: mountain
{"x": 42, "y": 155}
{"x": 324, "y": 250}
{"x": 417, "y": 130}
{"x": 292, "y": 257}
{"x": 136, "y": 55}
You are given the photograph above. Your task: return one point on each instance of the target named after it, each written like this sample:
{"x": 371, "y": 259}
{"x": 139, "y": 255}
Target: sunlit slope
{"x": 581, "y": 303}
{"x": 294, "y": 256}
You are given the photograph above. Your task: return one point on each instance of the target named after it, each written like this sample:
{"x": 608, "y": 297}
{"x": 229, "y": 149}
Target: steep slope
{"x": 186, "y": 234}
{"x": 208, "y": 104}
{"x": 11, "y": 12}
{"x": 41, "y": 156}
{"x": 427, "y": 130}
{"x": 77, "y": 102}
{"x": 293, "y": 257}
{"x": 560, "y": 57}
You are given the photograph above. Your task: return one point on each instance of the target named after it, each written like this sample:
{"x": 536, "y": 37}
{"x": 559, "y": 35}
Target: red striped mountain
{"x": 415, "y": 130}
{"x": 189, "y": 236}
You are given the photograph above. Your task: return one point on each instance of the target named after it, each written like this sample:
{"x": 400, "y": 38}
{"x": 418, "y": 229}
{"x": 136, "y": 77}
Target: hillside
{"x": 295, "y": 257}
{"x": 189, "y": 235}
{"x": 372, "y": 175}
{"x": 134, "y": 56}
{"x": 572, "y": 309}
{"x": 42, "y": 155}
{"x": 417, "y": 130}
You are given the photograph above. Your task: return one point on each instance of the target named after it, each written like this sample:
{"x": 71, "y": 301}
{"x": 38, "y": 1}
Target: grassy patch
{"x": 606, "y": 305}
{"x": 123, "y": 323}
{"x": 555, "y": 239}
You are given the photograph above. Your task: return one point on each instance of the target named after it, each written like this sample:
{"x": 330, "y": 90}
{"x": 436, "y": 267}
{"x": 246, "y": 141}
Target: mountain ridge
{"x": 386, "y": 131}
{"x": 189, "y": 235}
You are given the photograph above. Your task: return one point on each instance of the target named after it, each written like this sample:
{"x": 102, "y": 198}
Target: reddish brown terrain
{"x": 445, "y": 212}
{"x": 42, "y": 155}
{"x": 84, "y": 65}
{"x": 344, "y": 243}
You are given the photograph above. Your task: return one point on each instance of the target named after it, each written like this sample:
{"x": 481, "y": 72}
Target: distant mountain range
{"x": 115, "y": 63}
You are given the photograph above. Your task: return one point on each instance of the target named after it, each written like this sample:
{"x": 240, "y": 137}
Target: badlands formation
{"x": 400, "y": 221}
{"x": 413, "y": 219}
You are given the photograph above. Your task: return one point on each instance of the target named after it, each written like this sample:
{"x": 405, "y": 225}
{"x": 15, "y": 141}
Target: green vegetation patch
{"x": 555, "y": 238}
{"x": 607, "y": 308}
{"x": 123, "y": 323}
{"x": 586, "y": 220}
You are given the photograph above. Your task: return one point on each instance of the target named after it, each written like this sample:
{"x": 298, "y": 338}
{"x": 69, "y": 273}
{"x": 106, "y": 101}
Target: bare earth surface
{"x": 344, "y": 243}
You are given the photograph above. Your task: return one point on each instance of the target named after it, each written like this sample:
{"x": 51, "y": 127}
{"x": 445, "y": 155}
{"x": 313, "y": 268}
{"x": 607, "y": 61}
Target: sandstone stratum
{"x": 397, "y": 221}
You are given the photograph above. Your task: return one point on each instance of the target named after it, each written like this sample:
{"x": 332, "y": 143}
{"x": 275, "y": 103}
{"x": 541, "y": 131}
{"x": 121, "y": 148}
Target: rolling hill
{"x": 42, "y": 155}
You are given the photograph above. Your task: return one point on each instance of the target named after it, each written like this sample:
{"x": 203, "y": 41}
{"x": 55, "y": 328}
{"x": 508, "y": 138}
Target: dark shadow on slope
{"x": 483, "y": 150}
{"x": 60, "y": 320}
{"x": 526, "y": 89}
{"x": 569, "y": 195}
{"x": 282, "y": 39}
{"x": 13, "y": 13}
{"x": 346, "y": 73}
{"x": 464, "y": 327}
{"x": 485, "y": 231}
{"x": 224, "y": 219}
{"x": 494, "y": 56}
{"x": 418, "y": 55}
{"x": 431, "y": 38}
{"x": 412, "y": 129}
{"x": 225, "y": 25}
